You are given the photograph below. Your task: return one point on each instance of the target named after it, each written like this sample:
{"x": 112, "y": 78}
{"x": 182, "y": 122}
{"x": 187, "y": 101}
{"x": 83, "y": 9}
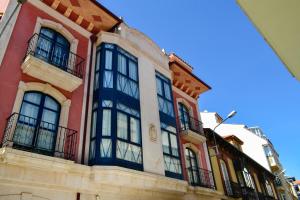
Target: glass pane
{"x": 92, "y": 150}
{"x": 94, "y": 125}
{"x": 107, "y": 103}
{"x": 98, "y": 61}
{"x": 128, "y": 110}
{"x": 108, "y": 60}
{"x": 108, "y": 79}
{"x": 106, "y": 123}
{"x": 122, "y": 126}
{"x": 62, "y": 41}
{"x": 165, "y": 142}
{"x": 96, "y": 81}
{"x": 49, "y": 117}
{"x": 51, "y": 104}
{"x": 159, "y": 86}
{"x": 122, "y": 64}
{"x": 129, "y": 152}
{"x": 174, "y": 146}
{"x": 105, "y": 148}
{"x": 47, "y": 32}
{"x": 45, "y": 139}
{"x": 172, "y": 164}
{"x": 135, "y": 130}
{"x": 132, "y": 70}
{"x": 167, "y": 91}
{"x": 34, "y": 98}
{"x": 28, "y": 110}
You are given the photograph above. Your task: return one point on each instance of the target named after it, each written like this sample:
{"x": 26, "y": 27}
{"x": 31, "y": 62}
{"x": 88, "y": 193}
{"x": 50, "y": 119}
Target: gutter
{"x": 93, "y": 39}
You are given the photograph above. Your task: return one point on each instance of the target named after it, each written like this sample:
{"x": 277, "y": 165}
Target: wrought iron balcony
{"x": 200, "y": 177}
{"x": 191, "y": 128}
{"x": 52, "y": 62}
{"x": 233, "y": 189}
{"x": 53, "y": 53}
{"x": 30, "y": 134}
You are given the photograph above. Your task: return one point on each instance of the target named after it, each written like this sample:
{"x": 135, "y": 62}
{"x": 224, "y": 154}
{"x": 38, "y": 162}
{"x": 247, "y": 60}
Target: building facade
{"x": 257, "y": 146}
{"x": 238, "y": 175}
{"x": 93, "y": 109}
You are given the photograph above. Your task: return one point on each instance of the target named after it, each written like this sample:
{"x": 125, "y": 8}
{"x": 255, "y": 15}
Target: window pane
{"x": 92, "y": 150}
{"x": 106, "y": 123}
{"x": 29, "y": 110}
{"x": 159, "y": 86}
{"x": 49, "y": 117}
{"x": 129, "y": 152}
{"x": 165, "y": 142}
{"x": 108, "y": 79}
{"x": 94, "y": 121}
{"x": 50, "y": 103}
{"x": 96, "y": 81}
{"x": 122, "y": 126}
{"x": 122, "y": 64}
{"x": 167, "y": 91}
{"x": 174, "y": 145}
{"x": 172, "y": 164}
{"x": 135, "y": 130}
{"x": 33, "y": 98}
{"x": 98, "y": 62}
{"x": 108, "y": 60}
{"x": 107, "y": 103}
{"x": 105, "y": 148}
{"x": 132, "y": 70}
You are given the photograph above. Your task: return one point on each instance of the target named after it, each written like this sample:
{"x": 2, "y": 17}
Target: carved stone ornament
{"x": 153, "y": 133}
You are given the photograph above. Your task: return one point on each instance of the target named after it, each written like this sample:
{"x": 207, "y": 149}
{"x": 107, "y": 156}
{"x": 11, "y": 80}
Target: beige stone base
{"x": 29, "y": 176}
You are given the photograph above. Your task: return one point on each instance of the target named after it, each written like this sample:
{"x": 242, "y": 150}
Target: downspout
{"x": 20, "y": 2}
{"x": 93, "y": 39}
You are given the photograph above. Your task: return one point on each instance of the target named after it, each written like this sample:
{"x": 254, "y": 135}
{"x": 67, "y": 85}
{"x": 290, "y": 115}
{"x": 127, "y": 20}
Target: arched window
{"x": 37, "y": 123}
{"x": 269, "y": 188}
{"x": 226, "y": 178}
{"x": 192, "y": 167}
{"x": 53, "y": 47}
{"x": 184, "y": 117}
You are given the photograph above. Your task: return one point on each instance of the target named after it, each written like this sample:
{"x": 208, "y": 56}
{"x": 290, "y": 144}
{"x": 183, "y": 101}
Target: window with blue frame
{"x": 116, "y": 127}
{"x": 168, "y": 127}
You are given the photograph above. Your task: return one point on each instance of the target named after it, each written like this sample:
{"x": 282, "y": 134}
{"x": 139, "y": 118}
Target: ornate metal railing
{"x": 30, "y": 134}
{"x": 233, "y": 189}
{"x": 201, "y": 177}
{"x": 186, "y": 122}
{"x": 42, "y": 47}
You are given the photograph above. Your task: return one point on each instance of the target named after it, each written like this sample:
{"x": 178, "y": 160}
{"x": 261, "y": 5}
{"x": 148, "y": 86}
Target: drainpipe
{"x": 20, "y": 2}
{"x": 93, "y": 39}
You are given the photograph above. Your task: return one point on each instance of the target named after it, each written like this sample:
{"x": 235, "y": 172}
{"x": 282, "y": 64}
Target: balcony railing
{"x": 187, "y": 122}
{"x": 42, "y": 47}
{"x": 30, "y": 134}
{"x": 201, "y": 177}
{"x": 233, "y": 189}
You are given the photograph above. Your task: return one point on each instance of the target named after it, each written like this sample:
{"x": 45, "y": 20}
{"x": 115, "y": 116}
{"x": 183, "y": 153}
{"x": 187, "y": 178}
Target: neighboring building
{"x": 278, "y": 22}
{"x": 93, "y": 109}
{"x": 236, "y": 174}
{"x": 297, "y": 188}
{"x": 256, "y": 145}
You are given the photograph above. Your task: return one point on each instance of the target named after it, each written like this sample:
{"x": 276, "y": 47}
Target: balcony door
{"x": 192, "y": 167}
{"x": 53, "y": 48}
{"x": 184, "y": 117}
{"x": 37, "y": 123}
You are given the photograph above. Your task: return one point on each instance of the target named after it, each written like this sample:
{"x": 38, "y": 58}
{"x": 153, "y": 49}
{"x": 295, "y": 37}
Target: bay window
{"x": 168, "y": 123}
{"x": 116, "y": 127}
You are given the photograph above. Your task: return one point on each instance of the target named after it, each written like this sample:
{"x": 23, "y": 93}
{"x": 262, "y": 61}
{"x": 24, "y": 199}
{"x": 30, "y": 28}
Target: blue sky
{"x": 229, "y": 54}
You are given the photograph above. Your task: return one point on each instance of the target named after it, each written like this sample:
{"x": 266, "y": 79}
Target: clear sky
{"x": 229, "y": 54}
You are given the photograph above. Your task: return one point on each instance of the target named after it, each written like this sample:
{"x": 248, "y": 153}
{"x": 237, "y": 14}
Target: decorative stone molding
{"x": 186, "y": 104}
{"x": 46, "y": 89}
{"x": 59, "y": 28}
{"x": 153, "y": 133}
